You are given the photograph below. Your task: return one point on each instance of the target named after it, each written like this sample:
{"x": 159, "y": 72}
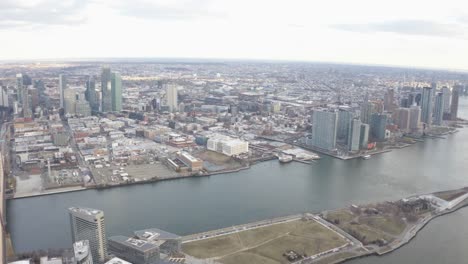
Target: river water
{"x": 269, "y": 189}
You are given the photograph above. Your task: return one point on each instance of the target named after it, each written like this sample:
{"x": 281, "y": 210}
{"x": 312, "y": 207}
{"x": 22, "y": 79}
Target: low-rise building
{"x": 227, "y": 145}
{"x": 136, "y": 251}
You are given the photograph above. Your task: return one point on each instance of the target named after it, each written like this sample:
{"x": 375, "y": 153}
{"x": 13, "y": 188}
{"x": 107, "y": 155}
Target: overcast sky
{"x": 424, "y": 33}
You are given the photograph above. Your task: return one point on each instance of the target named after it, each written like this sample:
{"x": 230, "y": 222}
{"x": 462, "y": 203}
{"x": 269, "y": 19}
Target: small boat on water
{"x": 285, "y": 158}
{"x": 366, "y": 157}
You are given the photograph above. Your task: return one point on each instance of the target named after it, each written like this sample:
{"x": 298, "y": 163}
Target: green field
{"x": 266, "y": 245}
{"x": 392, "y": 226}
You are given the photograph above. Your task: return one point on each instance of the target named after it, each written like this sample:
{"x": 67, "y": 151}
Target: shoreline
{"x": 68, "y": 189}
{"x": 365, "y": 250}
{"x": 378, "y": 254}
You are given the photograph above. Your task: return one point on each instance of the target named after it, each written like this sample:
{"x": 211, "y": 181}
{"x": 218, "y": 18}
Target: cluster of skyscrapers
{"x": 355, "y": 129}
{"x": 82, "y": 102}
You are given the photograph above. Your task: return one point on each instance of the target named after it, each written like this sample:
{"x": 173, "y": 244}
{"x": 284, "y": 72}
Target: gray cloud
{"x": 409, "y": 27}
{"x": 14, "y": 14}
{"x": 166, "y": 10}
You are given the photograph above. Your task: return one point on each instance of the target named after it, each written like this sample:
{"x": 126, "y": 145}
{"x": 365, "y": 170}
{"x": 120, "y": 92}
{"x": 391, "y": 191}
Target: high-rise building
{"x": 62, "y": 87}
{"x": 172, "y": 97}
{"x": 4, "y": 97}
{"x": 88, "y": 224}
{"x": 134, "y": 250}
{"x": 378, "y": 126}
{"x": 403, "y": 118}
{"x": 324, "y": 129}
{"x": 106, "y": 90}
{"x": 426, "y": 106}
{"x": 364, "y": 138}
{"x": 34, "y": 95}
{"x": 389, "y": 99}
{"x": 69, "y": 100}
{"x": 82, "y": 252}
{"x": 354, "y": 135}
{"x": 344, "y": 121}
{"x": 454, "y": 106}
{"x": 116, "y": 89}
{"x": 415, "y": 118}
{"x": 90, "y": 94}
{"x": 27, "y": 109}
{"x": 438, "y": 109}
{"x": 19, "y": 87}
{"x": 446, "y": 98}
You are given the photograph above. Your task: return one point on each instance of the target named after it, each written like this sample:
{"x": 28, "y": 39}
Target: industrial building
{"x": 227, "y": 145}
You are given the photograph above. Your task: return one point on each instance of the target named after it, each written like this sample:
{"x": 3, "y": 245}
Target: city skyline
{"x": 416, "y": 34}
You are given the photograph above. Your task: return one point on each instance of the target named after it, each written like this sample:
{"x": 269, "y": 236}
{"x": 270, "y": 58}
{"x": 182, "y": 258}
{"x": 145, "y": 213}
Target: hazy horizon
{"x": 416, "y": 34}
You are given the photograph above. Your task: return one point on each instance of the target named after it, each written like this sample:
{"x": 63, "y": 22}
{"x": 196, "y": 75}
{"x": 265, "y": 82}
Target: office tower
{"x": 415, "y": 118}
{"x": 389, "y": 99}
{"x": 82, "y": 107}
{"x": 404, "y": 102}
{"x": 82, "y": 252}
{"x": 426, "y": 106}
{"x": 69, "y": 100}
{"x": 62, "y": 87}
{"x": 417, "y": 99}
{"x": 34, "y": 94}
{"x": 446, "y": 98}
{"x": 134, "y": 250}
{"x": 90, "y": 94}
{"x": 411, "y": 99}
{"x": 27, "y": 110}
{"x": 88, "y": 224}
{"x": 438, "y": 109}
{"x": 19, "y": 87}
{"x": 106, "y": 90}
{"x": 344, "y": 121}
{"x": 171, "y": 96}
{"x": 454, "y": 106}
{"x": 378, "y": 126}
{"x": 4, "y": 97}
{"x": 403, "y": 119}
{"x": 324, "y": 129}
{"x": 354, "y": 135}
{"x": 116, "y": 91}
{"x": 364, "y": 138}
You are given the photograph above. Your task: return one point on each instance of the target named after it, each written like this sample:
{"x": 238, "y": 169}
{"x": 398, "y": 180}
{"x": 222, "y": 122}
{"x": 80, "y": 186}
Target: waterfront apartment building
{"x": 454, "y": 106}
{"x": 364, "y": 138}
{"x": 227, "y": 145}
{"x": 378, "y": 126}
{"x": 88, "y": 224}
{"x": 426, "y": 106}
{"x": 172, "y": 97}
{"x": 403, "y": 119}
{"x": 446, "y": 97}
{"x": 344, "y": 121}
{"x": 82, "y": 252}
{"x": 134, "y": 250}
{"x": 354, "y": 135}
{"x": 415, "y": 118}
{"x": 438, "y": 109}
{"x": 324, "y": 129}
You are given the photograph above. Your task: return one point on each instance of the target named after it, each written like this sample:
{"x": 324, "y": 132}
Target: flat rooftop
{"x": 155, "y": 234}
